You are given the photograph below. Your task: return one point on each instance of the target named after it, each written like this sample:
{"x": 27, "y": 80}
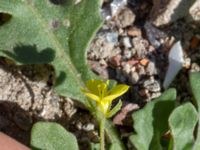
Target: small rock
{"x": 195, "y": 67}
{"x": 88, "y": 127}
{"x": 155, "y": 95}
{"x": 126, "y": 17}
{"x": 112, "y": 37}
{"x": 122, "y": 115}
{"x": 132, "y": 62}
{"x": 79, "y": 125}
{"x": 187, "y": 63}
{"x": 144, "y": 61}
{"x": 154, "y": 87}
{"x": 69, "y": 108}
{"x": 127, "y": 68}
{"x": 127, "y": 54}
{"x": 151, "y": 68}
{"x": 195, "y": 11}
{"x": 144, "y": 92}
{"x": 115, "y": 61}
{"x": 134, "y": 31}
{"x": 173, "y": 10}
{"x": 126, "y": 42}
{"x": 117, "y": 5}
{"x": 149, "y": 81}
{"x": 134, "y": 77}
{"x": 140, "y": 46}
{"x": 141, "y": 70}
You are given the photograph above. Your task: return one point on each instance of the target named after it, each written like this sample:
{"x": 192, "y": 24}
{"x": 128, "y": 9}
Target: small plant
{"x": 99, "y": 92}
{"x": 161, "y": 116}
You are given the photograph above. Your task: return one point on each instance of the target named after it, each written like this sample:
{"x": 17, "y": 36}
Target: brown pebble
{"x": 132, "y": 62}
{"x": 144, "y": 61}
{"x": 123, "y": 114}
{"x": 115, "y": 61}
{"x": 133, "y": 31}
{"x": 143, "y": 92}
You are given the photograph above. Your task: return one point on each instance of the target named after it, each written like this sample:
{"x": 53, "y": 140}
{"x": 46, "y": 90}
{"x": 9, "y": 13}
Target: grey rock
{"x": 126, "y": 17}
{"x": 195, "y": 11}
{"x": 168, "y": 11}
{"x": 126, "y": 42}
{"x": 88, "y": 127}
{"x": 151, "y": 68}
{"x": 154, "y": 87}
{"x": 139, "y": 46}
{"x": 134, "y": 77}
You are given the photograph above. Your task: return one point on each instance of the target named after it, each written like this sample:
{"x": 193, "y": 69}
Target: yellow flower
{"x": 98, "y": 91}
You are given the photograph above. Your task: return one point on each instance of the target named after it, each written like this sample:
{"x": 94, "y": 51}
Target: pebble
{"x": 127, "y": 68}
{"x": 134, "y": 31}
{"x": 115, "y": 61}
{"x": 126, "y": 17}
{"x": 88, "y": 127}
{"x": 155, "y": 95}
{"x": 112, "y": 37}
{"x": 140, "y": 46}
{"x": 126, "y": 42}
{"x": 148, "y": 82}
{"x": 119, "y": 119}
{"x": 127, "y": 54}
{"x": 195, "y": 67}
{"x": 69, "y": 108}
{"x": 144, "y": 61}
{"x": 154, "y": 87}
{"x": 151, "y": 68}
{"x": 187, "y": 63}
{"x": 144, "y": 92}
{"x": 141, "y": 70}
{"x": 134, "y": 77}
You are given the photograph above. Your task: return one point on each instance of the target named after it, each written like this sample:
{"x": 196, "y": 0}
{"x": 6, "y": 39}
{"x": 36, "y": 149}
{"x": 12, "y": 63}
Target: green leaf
{"x": 182, "y": 123}
{"x": 52, "y": 136}
{"x": 53, "y": 32}
{"x": 195, "y": 87}
{"x": 116, "y": 108}
{"x": 151, "y": 122}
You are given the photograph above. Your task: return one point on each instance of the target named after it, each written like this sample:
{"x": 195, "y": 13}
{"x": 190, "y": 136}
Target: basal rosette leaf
{"x": 182, "y": 122}
{"x": 53, "y": 32}
{"x": 151, "y": 122}
{"x": 52, "y": 136}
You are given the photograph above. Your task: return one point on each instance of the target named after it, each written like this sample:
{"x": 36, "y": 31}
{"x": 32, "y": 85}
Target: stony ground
{"x": 131, "y": 47}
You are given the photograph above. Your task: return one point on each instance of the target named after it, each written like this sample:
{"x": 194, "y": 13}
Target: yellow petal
{"x": 90, "y": 95}
{"x": 116, "y": 91}
{"x": 92, "y": 86}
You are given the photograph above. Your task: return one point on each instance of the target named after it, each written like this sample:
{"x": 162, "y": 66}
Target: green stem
{"x": 102, "y": 135}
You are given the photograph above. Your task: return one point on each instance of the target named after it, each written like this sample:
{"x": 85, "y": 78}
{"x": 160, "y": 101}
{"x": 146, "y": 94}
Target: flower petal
{"x": 92, "y": 86}
{"x": 116, "y": 92}
{"x": 90, "y": 95}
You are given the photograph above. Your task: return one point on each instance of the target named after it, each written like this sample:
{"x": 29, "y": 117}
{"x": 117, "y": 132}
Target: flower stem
{"x": 102, "y": 135}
